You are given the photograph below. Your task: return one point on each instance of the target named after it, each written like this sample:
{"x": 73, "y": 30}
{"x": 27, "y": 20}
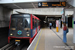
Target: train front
{"x": 19, "y": 28}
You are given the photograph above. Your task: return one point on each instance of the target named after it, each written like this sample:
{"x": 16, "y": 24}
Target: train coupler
{"x": 17, "y": 42}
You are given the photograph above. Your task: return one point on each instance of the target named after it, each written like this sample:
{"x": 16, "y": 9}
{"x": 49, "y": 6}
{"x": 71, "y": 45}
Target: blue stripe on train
{"x": 33, "y": 32}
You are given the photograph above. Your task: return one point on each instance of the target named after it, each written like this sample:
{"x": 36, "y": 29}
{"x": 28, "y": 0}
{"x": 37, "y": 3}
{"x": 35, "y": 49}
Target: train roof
{"x": 36, "y": 17}
{"x": 27, "y": 14}
{"x": 21, "y": 14}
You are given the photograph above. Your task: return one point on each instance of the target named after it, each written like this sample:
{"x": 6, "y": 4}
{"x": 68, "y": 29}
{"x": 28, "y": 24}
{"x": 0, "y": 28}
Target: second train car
{"x": 22, "y": 27}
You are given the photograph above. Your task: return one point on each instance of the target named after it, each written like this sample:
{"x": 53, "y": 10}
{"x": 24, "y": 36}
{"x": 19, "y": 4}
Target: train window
{"x": 27, "y": 22}
{"x": 13, "y": 22}
{"x": 38, "y": 22}
{"x": 19, "y": 24}
{"x": 33, "y": 24}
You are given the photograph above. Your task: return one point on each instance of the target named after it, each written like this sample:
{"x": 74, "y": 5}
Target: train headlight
{"x": 27, "y": 34}
{"x": 11, "y": 34}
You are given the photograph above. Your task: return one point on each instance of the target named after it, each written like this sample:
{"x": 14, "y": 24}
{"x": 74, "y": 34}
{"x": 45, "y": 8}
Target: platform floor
{"x": 47, "y": 40}
{"x": 69, "y": 36}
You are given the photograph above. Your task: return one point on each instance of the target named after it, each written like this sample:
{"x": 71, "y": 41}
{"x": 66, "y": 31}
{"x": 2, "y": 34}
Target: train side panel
{"x": 27, "y": 30}
{"x": 33, "y": 28}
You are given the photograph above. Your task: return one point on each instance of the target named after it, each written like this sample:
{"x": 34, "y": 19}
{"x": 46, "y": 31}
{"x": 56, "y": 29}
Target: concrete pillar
{"x": 63, "y": 17}
{"x": 74, "y": 27}
{"x": 66, "y": 20}
{"x": 59, "y": 24}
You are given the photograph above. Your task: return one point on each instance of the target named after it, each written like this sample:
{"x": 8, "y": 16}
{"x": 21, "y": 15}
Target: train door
{"x": 37, "y": 25}
{"x": 27, "y": 30}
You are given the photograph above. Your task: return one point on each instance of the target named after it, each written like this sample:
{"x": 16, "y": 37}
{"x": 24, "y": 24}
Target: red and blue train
{"x": 22, "y": 27}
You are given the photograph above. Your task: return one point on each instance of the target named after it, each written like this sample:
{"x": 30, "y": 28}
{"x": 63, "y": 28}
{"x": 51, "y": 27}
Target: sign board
{"x": 57, "y": 23}
{"x": 51, "y": 4}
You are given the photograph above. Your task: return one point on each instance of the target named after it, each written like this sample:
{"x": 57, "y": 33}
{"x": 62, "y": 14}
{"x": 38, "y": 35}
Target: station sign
{"x": 51, "y": 4}
{"x": 57, "y": 23}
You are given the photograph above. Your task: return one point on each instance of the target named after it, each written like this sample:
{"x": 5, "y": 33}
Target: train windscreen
{"x": 20, "y": 24}
{"x": 13, "y": 22}
{"x": 27, "y": 23}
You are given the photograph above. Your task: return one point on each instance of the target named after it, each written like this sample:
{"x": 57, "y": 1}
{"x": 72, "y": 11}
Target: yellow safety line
{"x": 37, "y": 41}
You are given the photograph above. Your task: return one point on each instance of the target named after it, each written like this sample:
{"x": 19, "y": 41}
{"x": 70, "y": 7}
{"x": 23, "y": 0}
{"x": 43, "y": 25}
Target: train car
{"x": 22, "y": 27}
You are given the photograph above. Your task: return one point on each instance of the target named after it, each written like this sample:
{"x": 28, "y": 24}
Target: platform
{"x": 69, "y": 36}
{"x": 47, "y": 40}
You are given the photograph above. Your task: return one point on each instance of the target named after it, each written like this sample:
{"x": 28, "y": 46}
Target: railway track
{"x": 12, "y": 46}
{"x": 7, "y": 46}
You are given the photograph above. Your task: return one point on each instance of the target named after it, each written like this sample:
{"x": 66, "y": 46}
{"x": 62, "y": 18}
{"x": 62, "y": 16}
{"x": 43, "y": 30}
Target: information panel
{"x": 51, "y": 4}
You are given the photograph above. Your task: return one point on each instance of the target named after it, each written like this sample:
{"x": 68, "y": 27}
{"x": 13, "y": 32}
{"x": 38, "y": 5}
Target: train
{"x": 22, "y": 27}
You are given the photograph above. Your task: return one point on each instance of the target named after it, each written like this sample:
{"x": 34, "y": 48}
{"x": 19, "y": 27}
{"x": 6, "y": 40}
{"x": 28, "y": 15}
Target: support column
{"x": 74, "y": 27}
{"x": 63, "y": 17}
{"x": 66, "y": 20}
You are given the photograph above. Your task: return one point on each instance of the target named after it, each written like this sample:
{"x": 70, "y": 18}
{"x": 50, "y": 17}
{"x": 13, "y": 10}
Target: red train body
{"x": 23, "y": 26}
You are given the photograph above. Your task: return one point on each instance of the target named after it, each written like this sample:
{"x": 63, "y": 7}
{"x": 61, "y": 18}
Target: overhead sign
{"x": 51, "y": 4}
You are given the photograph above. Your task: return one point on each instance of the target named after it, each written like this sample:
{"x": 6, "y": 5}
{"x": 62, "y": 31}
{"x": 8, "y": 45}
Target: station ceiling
{"x": 21, "y": 5}
{"x": 29, "y": 5}
{"x": 26, "y": 5}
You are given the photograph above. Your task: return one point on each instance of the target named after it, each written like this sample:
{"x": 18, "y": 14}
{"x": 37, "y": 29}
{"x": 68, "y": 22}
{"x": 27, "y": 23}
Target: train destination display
{"x": 51, "y": 4}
